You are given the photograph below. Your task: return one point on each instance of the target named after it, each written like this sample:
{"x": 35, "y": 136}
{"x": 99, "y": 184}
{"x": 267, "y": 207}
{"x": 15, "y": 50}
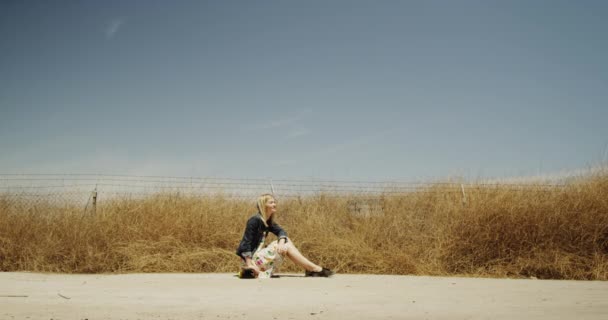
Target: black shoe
{"x": 323, "y": 273}
{"x": 247, "y": 274}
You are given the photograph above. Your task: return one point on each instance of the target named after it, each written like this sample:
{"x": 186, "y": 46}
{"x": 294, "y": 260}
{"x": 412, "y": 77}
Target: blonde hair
{"x": 261, "y": 204}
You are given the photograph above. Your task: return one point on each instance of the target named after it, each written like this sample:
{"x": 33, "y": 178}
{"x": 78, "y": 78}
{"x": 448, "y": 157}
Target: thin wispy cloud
{"x": 279, "y": 123}
{"x": 283, "y": 163}
{"x": 354, "y": 143}
{"x": 112, "y": 27}
{"x": 296, "y": 133}
{"x": 283, "y": 122}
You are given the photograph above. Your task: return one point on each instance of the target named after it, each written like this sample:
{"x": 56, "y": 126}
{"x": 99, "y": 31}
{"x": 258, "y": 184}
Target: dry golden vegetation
{"x": 500, "y": 231}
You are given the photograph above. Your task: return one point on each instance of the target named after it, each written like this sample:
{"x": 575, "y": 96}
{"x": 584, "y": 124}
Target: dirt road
{"x": 223, "y": 296}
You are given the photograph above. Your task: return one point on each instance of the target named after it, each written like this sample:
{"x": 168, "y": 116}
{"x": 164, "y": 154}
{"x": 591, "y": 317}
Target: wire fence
{"x": 86, "y": 189}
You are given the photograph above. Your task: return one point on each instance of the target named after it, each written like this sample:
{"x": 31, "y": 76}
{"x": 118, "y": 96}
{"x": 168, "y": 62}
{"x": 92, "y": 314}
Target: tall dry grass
{"x": 500, "y": 231}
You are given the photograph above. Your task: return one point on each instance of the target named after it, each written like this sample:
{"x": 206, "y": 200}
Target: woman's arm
{"x": 279, "y": 232}
{"x": 247, "y": 245}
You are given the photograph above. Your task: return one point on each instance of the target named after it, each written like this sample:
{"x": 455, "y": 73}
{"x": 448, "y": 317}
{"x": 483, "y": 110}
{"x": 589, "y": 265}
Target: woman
{"x": 260, "y": 261}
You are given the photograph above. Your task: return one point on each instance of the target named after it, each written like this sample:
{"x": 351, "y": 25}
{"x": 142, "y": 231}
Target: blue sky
{"x": 324, "y": 89}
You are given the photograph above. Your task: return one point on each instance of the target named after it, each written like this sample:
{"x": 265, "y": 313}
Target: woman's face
{"x": 271, "y": 207}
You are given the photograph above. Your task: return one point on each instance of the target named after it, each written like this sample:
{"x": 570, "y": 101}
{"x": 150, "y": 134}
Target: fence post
{"x": 271, "y": 187}
{"x": 94, "y": 196}
{"x": 464, "y": 195}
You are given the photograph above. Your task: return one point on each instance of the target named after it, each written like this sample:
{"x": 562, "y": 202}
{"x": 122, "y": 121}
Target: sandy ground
{"x": 223, "y": 296}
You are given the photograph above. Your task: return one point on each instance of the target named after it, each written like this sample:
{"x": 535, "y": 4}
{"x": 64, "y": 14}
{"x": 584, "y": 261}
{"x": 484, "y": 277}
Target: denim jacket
{"x": 254, "y": 234}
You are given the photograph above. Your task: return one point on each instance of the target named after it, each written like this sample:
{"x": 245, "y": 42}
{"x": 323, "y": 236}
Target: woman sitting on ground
{"x": 260, "y": 261}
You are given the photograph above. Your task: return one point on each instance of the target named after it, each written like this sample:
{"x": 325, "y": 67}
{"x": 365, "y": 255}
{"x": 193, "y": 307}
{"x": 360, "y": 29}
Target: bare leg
{"x": 294, "y": 254}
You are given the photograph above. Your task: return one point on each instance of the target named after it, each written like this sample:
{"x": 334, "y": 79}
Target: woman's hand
{"x": 282, "y": 247}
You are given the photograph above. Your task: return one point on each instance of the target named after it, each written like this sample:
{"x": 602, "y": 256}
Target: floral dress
{"x": 267, "y": 259}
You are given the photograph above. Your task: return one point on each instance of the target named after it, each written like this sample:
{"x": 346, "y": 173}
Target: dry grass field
{"x": 499, "y": 231}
